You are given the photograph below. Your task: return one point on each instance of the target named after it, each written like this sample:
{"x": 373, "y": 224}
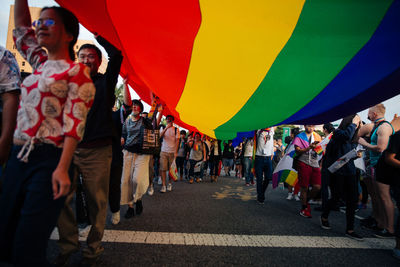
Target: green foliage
{"x": 119, "y": 95}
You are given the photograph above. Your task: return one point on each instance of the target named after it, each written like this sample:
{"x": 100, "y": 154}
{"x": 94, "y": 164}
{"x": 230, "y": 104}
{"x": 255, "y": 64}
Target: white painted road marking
{"x": 225, "y": 240}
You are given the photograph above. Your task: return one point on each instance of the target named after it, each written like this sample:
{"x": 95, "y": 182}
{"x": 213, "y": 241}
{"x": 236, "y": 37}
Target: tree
{"x": 119, "y": 95}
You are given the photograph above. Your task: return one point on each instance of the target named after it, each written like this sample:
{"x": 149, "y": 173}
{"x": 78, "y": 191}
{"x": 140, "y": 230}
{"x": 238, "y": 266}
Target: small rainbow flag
{"x": 284, "y": 171}
{"x": 173, "y": 172}
{"x": 320, "y": 149}
{"x": 286, "y": 176}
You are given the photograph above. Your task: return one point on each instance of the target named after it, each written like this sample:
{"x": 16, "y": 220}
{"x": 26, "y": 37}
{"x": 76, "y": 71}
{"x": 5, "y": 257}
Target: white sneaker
{"x": 115, "y": 218}
{"x": 163, "y": 189}
{"x": 169, "y": 187}
{"x": 150, "y": 192}
{"x": 296, "y": 197}
{"x": 290, "y": 196}
{"x": 84, "y": 231}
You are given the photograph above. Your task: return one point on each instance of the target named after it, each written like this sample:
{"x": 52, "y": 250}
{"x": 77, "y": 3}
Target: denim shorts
{"x": 227, "y": 162}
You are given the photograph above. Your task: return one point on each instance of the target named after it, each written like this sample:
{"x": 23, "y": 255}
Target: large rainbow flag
{"x": 232, "y": 66}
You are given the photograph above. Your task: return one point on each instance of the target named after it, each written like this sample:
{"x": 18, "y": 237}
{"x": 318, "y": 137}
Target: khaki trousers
{"x": 135, "y": 177}
{"x": 94, "y": 165}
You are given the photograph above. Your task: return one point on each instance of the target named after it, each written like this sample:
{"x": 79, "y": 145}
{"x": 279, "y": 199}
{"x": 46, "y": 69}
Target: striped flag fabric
{"x": 284, "y": 171}
{"x": 253, "y": 64}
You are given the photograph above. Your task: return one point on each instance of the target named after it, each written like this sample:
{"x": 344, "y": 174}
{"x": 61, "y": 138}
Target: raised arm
{"x": 127, "y": 93}
{"x": 159, "y": 114}
{"x": 113, "y": 67}
{"x": 22, "y": 17}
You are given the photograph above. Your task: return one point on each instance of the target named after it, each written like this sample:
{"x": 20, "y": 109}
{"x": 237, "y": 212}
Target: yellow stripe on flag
{"x": 292, "y": 178}
{"x": 235, "y": 47}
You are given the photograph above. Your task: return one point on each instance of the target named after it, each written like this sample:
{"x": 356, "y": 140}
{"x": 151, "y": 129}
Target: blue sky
{"x": 392, "y": 105}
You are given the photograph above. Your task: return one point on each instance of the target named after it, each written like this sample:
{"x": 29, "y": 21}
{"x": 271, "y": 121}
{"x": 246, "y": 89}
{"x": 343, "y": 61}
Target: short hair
{"x": 288, "y": 139}
{"x": 183, "y": 132}
{"x": 91, "y": 46}
{"x": 295, "y": 131}
{"x": 328, "y": 127}
{"x": 379, "y": 108}
{"x": 137, "y": 102}
{"x": 170, "y": 116}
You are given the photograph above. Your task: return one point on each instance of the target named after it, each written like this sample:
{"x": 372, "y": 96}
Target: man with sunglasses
{"x": 92, "y": 158}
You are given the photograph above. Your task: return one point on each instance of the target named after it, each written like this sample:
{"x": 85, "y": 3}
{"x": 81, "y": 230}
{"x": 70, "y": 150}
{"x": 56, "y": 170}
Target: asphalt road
{"x": 221, "y": 224}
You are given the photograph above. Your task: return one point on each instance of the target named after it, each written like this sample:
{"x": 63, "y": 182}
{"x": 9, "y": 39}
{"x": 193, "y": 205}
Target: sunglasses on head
{"x": 46, "y": 22}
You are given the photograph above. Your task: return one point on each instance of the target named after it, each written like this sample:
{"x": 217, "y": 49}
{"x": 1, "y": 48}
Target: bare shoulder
{"x": 366, "y": 129}
{"x": 385, "y": 129}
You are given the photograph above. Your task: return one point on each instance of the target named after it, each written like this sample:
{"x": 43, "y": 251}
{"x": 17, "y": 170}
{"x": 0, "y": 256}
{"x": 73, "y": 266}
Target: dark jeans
{"x": 343, "y": 185}
{"x": 28, "y": 212}
{"x": 179, "y": 164}
{"x": 156, "y": 165}
{"x": 327, "y": 204}
{"x": 263, "y": 168}
{"x": 247, "y": 169}
{"x": 214, "y": 164}
{"x": 364, "y": 189}
{"x": 114, "y": 193}
{"x": 186, "y": 169}
{"x": 191, "y": 170}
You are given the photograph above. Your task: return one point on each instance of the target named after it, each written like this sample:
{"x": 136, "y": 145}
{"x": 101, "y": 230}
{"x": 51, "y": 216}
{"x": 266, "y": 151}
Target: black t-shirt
{"x": 385, "y": 169}
{"x": 228, "y": 152}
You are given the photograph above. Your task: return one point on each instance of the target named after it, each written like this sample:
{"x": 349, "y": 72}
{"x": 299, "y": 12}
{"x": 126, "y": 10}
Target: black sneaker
{"x": 129, "y": 213}
{"x": 384, "y": 234}
{"x": 139, "y": 207}
{"x": 260, "y": 202}
{"x": 325, "y": 224}
{"x": 355, "y": 236}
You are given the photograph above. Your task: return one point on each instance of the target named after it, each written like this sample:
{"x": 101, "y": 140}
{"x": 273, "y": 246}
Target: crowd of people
{"x": 62, "y": 138}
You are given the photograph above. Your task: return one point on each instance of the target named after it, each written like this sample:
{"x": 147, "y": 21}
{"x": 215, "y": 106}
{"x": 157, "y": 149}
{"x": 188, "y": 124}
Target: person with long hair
{"x": 55, "y": 101}
{"x": 344, "y": 181}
